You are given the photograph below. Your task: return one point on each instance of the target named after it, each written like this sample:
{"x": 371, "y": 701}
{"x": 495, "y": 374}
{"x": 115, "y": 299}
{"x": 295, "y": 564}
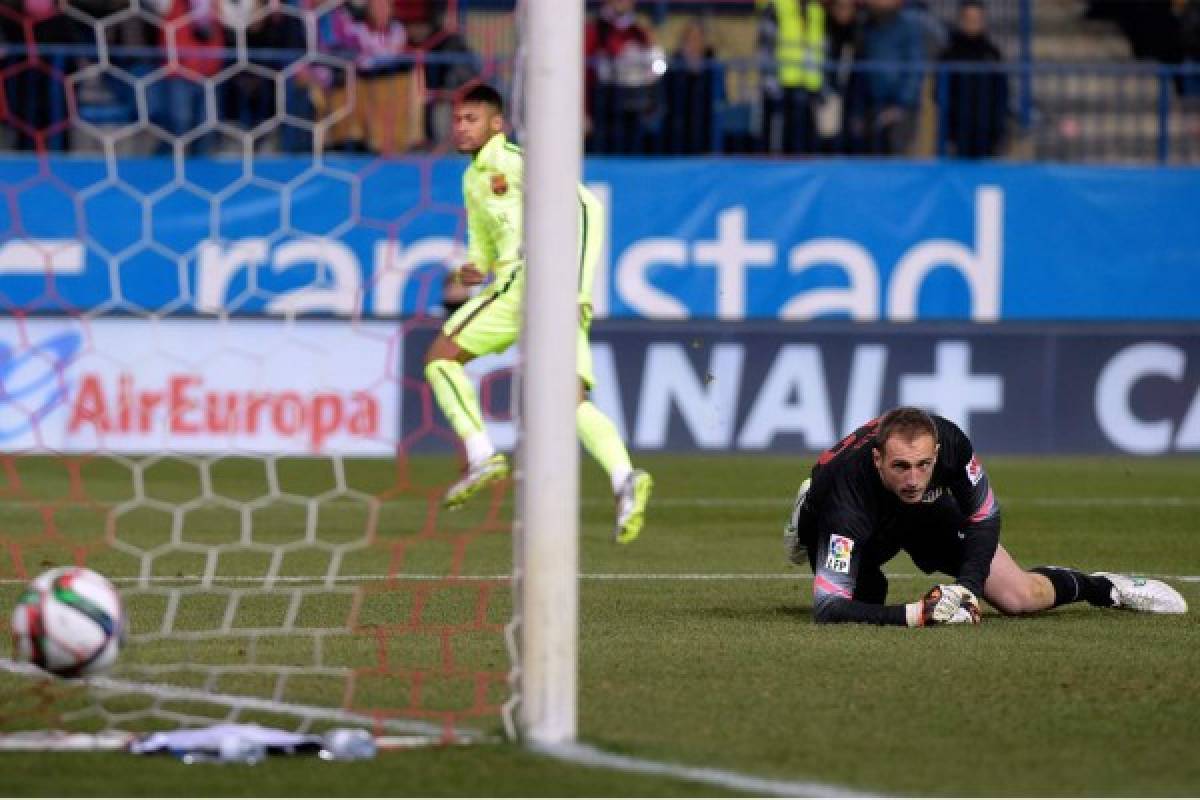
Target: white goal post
{"x": 546, "y": 544}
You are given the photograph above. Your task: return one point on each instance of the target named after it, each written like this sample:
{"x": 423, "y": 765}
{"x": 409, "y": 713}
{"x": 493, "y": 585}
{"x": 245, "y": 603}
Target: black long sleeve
{"x": 827, "y": 610}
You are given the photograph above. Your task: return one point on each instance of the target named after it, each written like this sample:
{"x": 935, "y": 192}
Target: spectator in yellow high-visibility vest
{"x": 791, "y": 54}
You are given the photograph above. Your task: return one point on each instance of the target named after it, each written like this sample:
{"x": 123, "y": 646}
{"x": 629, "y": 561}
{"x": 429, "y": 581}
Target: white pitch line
{"x": 582, "y": 754}
{"x": 1104, "y": 502}
{"x": 1037, "y": 502}
{"x": 1133, "y": 501}
{"x": 784, "y": 576}
{"x": 318, "y": 580}
{"x": 589, "y": 756}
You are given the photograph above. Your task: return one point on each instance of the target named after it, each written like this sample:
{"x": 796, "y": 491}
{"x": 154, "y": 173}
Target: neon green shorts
{"x": 490, "y": 323}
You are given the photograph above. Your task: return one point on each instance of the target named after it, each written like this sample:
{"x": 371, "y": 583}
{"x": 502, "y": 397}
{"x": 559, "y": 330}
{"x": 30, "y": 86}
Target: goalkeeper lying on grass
{"x": 911, "y": 481}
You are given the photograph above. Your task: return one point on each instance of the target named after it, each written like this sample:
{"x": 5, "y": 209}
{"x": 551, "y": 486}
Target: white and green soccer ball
{"x": 69, "y": 622}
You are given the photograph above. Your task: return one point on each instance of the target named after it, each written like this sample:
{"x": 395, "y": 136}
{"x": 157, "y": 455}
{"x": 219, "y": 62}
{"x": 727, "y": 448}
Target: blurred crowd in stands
{"x": 827, "y": 76}
{"x": 173, "y": 69}
{"x": 1167, "y": 31}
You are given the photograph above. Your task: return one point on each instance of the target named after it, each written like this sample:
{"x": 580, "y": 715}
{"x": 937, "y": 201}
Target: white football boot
{"x": 631, "y": 506}
{"x": 482, "y": 474}
{"x": 795, "y": 550}
{"x": 1145, "y": 594}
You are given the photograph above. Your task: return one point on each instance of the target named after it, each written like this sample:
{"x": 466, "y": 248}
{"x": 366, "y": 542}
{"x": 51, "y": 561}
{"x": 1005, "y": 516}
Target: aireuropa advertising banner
{"x": 197, "y": 386}
{"x": 776, "y": 388}
{"x": 686, "y": 239}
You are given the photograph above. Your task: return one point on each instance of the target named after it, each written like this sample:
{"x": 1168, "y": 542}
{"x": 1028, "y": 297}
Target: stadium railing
{"x": 1082, "y": 113}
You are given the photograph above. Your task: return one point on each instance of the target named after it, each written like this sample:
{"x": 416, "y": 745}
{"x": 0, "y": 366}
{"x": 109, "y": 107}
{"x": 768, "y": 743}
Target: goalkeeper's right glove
{"x": 967, "y": 613}
{"x": 944, "y": 604}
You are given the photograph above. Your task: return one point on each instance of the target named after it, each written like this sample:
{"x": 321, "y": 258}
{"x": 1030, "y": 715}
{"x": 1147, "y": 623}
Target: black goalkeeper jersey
{"x": 853, "y": 524}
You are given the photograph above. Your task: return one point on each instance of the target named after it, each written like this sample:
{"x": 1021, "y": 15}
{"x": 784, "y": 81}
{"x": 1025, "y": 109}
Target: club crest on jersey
{"x": 974, "y": 471}
{"x": 499, "y": 184}
{"x": 838, "y": 559}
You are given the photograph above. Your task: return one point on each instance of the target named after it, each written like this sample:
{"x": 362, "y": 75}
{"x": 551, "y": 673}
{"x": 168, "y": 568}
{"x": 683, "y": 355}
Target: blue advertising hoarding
{"x": 688, "y": 239}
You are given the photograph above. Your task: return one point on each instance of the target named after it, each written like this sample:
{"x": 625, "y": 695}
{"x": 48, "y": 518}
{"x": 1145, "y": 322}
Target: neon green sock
{"x": 455, "y": 395}
{"x": 600, "y": 438}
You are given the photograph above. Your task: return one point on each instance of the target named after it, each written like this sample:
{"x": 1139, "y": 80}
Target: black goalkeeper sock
{"x": 1071, "y": 586}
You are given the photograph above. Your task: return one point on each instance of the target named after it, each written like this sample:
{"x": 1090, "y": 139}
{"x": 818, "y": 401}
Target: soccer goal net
{"x": 222, "y": 244}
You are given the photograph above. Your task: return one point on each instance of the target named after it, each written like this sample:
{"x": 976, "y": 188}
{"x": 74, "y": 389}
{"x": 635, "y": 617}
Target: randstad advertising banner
{"x": 686, "y": 239}
{"x": 197, "y": 386}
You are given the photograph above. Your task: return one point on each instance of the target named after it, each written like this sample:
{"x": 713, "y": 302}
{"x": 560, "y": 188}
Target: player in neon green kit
{"x": 490, "y": 322}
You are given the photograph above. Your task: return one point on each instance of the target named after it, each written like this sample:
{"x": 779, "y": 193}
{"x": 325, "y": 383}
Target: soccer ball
{"x": 69, "y": 622}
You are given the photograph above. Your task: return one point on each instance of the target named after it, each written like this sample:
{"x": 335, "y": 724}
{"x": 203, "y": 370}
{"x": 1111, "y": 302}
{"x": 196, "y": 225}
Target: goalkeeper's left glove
{"x": 968, "y": 612}
{"x": 944, "y": 604}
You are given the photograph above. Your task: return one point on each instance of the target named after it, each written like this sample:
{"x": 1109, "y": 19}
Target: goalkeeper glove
{"x": 944, "y": 604}
{"x": 968, "y": 612}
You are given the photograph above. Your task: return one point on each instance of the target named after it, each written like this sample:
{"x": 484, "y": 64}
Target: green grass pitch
{"x": 697, "y": 645}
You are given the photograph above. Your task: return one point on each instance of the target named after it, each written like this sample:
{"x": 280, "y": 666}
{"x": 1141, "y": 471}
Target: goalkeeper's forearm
{"x": 828, "y": 610}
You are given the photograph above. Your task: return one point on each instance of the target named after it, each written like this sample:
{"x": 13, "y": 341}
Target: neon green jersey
{"x": 493, "y": 189}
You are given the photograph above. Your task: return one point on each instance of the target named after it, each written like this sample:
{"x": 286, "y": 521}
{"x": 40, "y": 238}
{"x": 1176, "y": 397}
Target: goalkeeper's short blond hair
{"x": 907, "y": 422}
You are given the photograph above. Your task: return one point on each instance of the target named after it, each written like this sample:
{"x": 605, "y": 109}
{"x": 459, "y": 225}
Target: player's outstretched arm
{"x": 832, "y": 610}
{"x": 945, "y": 604}
{"x": 837, "y": 595}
